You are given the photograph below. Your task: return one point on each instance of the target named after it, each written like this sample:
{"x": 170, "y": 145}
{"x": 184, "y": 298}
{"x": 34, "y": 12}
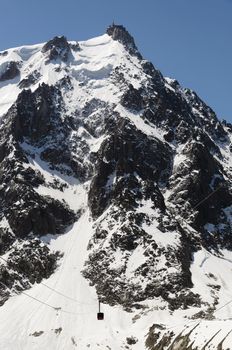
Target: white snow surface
{"x": 64, "y": 317}
{"x": 68, "y": 320}
{"x": 89, "y": 68}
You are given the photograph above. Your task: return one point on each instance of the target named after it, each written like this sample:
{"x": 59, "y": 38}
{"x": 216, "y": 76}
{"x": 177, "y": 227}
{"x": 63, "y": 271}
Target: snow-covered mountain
{"x": 115, "y": 185}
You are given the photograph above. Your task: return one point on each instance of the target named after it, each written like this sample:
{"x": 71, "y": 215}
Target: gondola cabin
{"x": 100, "y": 316}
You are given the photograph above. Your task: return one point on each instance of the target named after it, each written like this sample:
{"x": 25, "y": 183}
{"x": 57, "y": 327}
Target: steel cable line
{"x": 207, "y": 197}
{"x": 74, "y": 300}
{"x": 66, "y": 296}
{"x": 56, "y": 291}
{"x": 72, "y": 239}
{"x": 55, "y": 308}
{"x": 221, "y": 307}
{"x": 199, "y": 321}
{"x": 196, "y": 206}
{"x": 185, "y": 325}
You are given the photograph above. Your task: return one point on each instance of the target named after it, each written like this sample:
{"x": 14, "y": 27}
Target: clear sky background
{"x": 190, "y": 40}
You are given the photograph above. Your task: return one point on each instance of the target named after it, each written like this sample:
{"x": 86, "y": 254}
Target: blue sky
{"x": 189, "y": 40}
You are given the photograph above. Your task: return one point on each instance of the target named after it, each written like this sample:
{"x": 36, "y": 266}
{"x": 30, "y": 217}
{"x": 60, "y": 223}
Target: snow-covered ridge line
{"x": 128, "y": 176}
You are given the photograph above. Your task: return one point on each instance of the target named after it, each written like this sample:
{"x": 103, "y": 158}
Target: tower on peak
{"x": 119, "y": 33}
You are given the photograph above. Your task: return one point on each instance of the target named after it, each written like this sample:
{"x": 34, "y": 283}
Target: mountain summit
{"x": 115, "y": 186}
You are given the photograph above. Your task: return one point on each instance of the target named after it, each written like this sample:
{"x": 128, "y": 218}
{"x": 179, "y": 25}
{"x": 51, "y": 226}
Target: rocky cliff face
{"x": 153, "y": 156}
{"x": 149, "y": 182}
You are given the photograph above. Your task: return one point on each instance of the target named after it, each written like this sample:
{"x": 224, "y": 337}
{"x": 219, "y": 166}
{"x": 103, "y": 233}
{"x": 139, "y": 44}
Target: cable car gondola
{"x": 100, "y": 315}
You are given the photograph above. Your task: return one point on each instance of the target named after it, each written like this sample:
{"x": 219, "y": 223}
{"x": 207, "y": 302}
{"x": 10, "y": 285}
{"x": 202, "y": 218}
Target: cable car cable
{"x": 71, "y": 247}
{"x": 56, "y": 291}
{"x": 66, "y": 296}
{"x": 55, "y": 308}
{"x": 208, "y": 196}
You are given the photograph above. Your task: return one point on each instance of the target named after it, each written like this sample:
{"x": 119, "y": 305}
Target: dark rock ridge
{"x": 30, "y": 80}
{"x": 119, "y": 33}
{"x": 132, "y": 99}
{"x": 4, "y": 53}
{"x": 38, "y": 120}
{"x": 128, "y": 170}
{"x": 28, "y": 262}
{"x": 29, "y": 122}
{"x": 58, "y": 47}
{"x": 162, "y": 152}
{"x": 133, "y": 169}
{"x": 159, "y": 338}
{"x": 9, "y": 71}
{"x": 128, "y": 154}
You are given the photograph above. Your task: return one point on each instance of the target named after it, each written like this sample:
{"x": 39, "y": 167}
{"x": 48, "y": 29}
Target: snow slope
{"x": 68, "y": 320}
{"x": 90, "y": 69}
{"x": 61, "y": 312}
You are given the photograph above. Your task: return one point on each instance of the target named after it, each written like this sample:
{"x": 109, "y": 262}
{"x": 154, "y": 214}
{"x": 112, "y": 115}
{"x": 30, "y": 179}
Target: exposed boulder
{"x": 196, "y": 179}
{"x": 28, "y": 263}
{"x": 58, "y": 47}
{"x": 119, "y": 33}
{"x": 6, "y": 239}
{"x": 30, "y": 80}
{"x": 31, "y": 118}
{"x": 3, "y": 53}
{"x": 128, "y": 153}
{"x": 36, "y": 114}
{"x": 36, "y": 214}
{"x": 132, "y": 99}
{"x": 9, "y": 71}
